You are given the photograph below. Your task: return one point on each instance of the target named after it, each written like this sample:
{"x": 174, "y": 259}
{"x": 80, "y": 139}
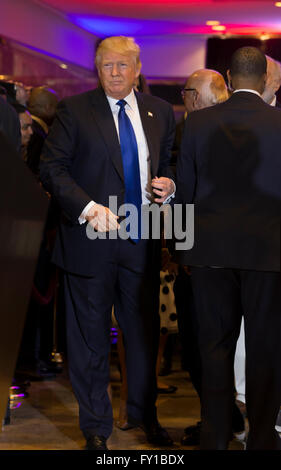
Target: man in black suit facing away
{"x": 272, "y": 85}
{"x": 230, "y": 168}
{"x": 83, "y": 163}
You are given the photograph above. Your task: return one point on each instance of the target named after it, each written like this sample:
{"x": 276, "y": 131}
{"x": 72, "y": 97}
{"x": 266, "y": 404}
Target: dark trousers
{"x": 222, "y": 296}
{"x": 130, "y": 282}
{"x": 188, "y": 328}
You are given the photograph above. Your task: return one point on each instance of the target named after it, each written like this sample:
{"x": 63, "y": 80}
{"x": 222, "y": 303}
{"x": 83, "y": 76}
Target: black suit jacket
{"x": 81, "y": 161}
{"x": 10, "y": 124}
{"x": 230, "y": 168}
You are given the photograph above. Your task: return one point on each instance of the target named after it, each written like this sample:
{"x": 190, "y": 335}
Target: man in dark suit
{"x": 272, "y": 85}
{"x": 83, "y": 163}
{"x": 10, "y": 134}
{"x": 229, "y": 167}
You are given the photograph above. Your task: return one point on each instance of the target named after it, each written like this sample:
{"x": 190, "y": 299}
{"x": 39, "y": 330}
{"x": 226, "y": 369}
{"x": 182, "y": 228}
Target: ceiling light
{"x": 219, "y": 28}
{"x": 212, "y": 23}
{"x": 278, "y": 4}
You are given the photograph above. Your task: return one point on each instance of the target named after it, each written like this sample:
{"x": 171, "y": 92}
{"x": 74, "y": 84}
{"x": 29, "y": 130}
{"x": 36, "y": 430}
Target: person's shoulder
{"x": 271, "y": 111}
{"x": 205, "y": 114}
{"x": 9, "y": 119}
{"x": 3, "y": 103}
{"x": 7, "y": 108}
{"x": 273, "y": 115}
{"x": 276, "y": 109}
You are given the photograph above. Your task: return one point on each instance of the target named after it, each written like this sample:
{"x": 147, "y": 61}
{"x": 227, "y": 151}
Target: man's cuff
{"x": 81, "y": 218}
{"x": 169, "y": 198}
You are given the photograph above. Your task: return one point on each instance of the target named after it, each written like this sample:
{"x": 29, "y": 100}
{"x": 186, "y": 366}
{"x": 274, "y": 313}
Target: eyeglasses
{"x": 184, "y": 90}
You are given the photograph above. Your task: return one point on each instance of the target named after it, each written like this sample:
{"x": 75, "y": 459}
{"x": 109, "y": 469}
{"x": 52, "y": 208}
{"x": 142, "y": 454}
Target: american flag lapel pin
{"x": 150, "y": 114}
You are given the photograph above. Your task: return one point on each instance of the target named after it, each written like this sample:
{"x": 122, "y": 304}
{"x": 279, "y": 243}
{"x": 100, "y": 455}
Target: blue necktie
{"x": 129, "y": 151}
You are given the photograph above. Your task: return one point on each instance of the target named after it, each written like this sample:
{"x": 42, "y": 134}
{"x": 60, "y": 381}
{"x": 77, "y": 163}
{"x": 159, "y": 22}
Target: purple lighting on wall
{"x": 108, "y": 26}
{"x": 103, "y": 26}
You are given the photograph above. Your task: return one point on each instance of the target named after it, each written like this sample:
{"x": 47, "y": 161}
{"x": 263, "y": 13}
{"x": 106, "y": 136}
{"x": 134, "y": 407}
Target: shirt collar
{"x": 130, "y": 99}
{"x": 41, "y": 122}
{"x": 249, "y": 90}
{"x": 273, "y": 102}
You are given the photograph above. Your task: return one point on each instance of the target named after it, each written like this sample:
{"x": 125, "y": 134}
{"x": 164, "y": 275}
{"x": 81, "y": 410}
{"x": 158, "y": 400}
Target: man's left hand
{"x": 163, "y": 187}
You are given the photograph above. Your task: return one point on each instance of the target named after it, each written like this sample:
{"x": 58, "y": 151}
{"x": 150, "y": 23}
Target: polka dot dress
{"x": 167, "y": 306}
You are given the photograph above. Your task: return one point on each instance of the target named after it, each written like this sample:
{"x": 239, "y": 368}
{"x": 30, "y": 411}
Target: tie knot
{"x": 122, "y": 104}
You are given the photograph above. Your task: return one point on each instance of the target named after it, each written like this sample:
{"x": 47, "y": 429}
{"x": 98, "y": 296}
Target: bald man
{"x": 273, "y": 82}
{"x": 42, "y": 106}
{"x": 204, "y": 88}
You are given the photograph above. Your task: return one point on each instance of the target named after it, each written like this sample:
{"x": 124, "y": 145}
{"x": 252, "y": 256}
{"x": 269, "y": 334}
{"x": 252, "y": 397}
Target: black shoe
{"x": 95, "y": 442}
{"x": 191, "y": 435}
{"x": 157, "y": 435}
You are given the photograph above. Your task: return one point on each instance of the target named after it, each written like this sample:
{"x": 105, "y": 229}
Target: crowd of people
{"x": 26, "y": 115}
{"x": 222, "y": 156}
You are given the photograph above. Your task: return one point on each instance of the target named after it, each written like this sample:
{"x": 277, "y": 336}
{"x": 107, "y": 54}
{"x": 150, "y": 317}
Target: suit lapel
{"x": 149, "y": 124}
{"x": 102, "y": 115}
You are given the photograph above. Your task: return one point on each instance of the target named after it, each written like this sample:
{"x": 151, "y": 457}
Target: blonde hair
{"x": 120, "y": 44}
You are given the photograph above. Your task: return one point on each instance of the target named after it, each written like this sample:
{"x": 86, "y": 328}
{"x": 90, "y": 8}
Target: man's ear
{"x": 263, "y": 82}
{"x": 229, "y": 80}
{"x": 196, "y": 100}
{"x": 138, "y": 71}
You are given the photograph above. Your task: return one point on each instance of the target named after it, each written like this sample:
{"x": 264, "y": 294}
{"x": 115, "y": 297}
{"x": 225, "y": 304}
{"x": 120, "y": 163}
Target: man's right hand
{"x": 102, "y": 219}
